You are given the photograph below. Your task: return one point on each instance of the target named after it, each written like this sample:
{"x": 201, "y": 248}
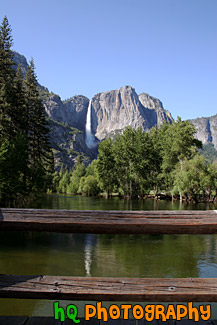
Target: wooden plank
{"x": 167, "y": 322}
{"x": 44, "y": 321}
{"x": 108, "y": 289}
{"x": 145, "y": 322}
{"x": 122, "y": 222}
{"x": 192, "y": 322}
{"x": 20, "y": 320}
{"x": 92, "y": 321}
{"x": 157, "y": 322}
{"x": 24, "y": 320}
{"x": 119, "y": 321}
{"x": 13, "y": 320}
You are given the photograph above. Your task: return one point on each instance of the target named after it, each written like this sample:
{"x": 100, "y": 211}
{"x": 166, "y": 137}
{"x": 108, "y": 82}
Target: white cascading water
{"x": 90, "y": 140}
{"x": 88, "y": 253}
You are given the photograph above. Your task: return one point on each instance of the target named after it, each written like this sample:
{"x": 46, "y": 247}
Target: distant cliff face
{"x": 155, "y": 108}
{"x": 20, "y": 60}
{"x": 111, "y": 111}
{"x": 114, "y": 110}
{"x": 67, "y": 143}
{"x": 67, "y": 129}
{"x": 72, "y": 111}
{"x": 206, "y": 129}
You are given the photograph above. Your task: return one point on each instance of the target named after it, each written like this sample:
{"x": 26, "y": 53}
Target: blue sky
{"x": 167, "y": 48}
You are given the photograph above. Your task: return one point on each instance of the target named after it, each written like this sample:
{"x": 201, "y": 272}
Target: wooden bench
{"x": 112, "y": 289}
{"x": 108, "y": 289}
{"x": 110, "y": 222}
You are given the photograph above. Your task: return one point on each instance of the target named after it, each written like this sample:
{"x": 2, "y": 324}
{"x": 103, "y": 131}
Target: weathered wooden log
{"x": 110, "y": 222}
{"x": 36, "y": 320}
{"x": 108, "y": 289}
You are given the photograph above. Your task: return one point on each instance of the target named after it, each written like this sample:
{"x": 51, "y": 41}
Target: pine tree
{"x": 19, "y": 113}
{"x": 26, "y": 159}
{"x": 10, "y": 143}
{"x": 40, "y": 153}
{"x": 7, "y": 75}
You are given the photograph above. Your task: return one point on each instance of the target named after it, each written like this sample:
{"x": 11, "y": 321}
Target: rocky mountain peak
{"x": 54, "y": 108}
{"x": 20, "y": 59}
{"x": 150, "y": 102}
{"x": 113, "y": 110}
{"x": 159, "y": 114}
{"x": 76, "y": 111}
{"x": 72, "y": 111}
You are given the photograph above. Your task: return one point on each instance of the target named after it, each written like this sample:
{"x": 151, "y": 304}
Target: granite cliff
{"x": 114, "y": 110}
{"x": 206, "y": 129}
{"x": 111, "y": 111}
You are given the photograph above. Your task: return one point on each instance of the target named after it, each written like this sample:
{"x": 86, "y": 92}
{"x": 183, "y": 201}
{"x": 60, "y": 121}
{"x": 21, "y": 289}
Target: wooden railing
{"x": 110, "y": 222}
{"x": 108, "y": 289}
{"x": 112, "y": 289}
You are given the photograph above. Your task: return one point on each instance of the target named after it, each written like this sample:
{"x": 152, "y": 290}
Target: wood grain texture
{"x": 118, "y": 322}
{"x": 22, "y": 320}
{"x": 17, "y": 320}
{"x": 43, "y": 321}
{"x": 110, "y": 222}
{"x": 108, "y": 289}
{"x": 13, "y": 320}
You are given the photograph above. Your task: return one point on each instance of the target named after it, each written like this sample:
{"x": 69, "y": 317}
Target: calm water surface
{"x": 103, "y": 255}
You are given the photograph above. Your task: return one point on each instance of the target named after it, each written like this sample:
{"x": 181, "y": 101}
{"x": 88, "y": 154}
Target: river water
{"x": 103, "y": 255}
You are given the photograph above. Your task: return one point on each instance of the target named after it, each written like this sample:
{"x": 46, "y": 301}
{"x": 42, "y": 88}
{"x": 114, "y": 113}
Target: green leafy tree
{"x": 88, "y": 185}
{"x": 156, "y": 177}
{"x": 210, "y": 181}
{"x": 105, "y": 166}
{"x": 190, "y": 181}
{"x": 134, "y": 162}
{"x": 74, "y": 182}
{"x": 63, "y": 182}
{"x": 125, "y": 152}
{"x": 178, "y": 143}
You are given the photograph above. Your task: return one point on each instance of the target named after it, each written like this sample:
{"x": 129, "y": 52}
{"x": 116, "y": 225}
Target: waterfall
{"x": 90, "y": 140}
{"x": 89, "y": 243}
